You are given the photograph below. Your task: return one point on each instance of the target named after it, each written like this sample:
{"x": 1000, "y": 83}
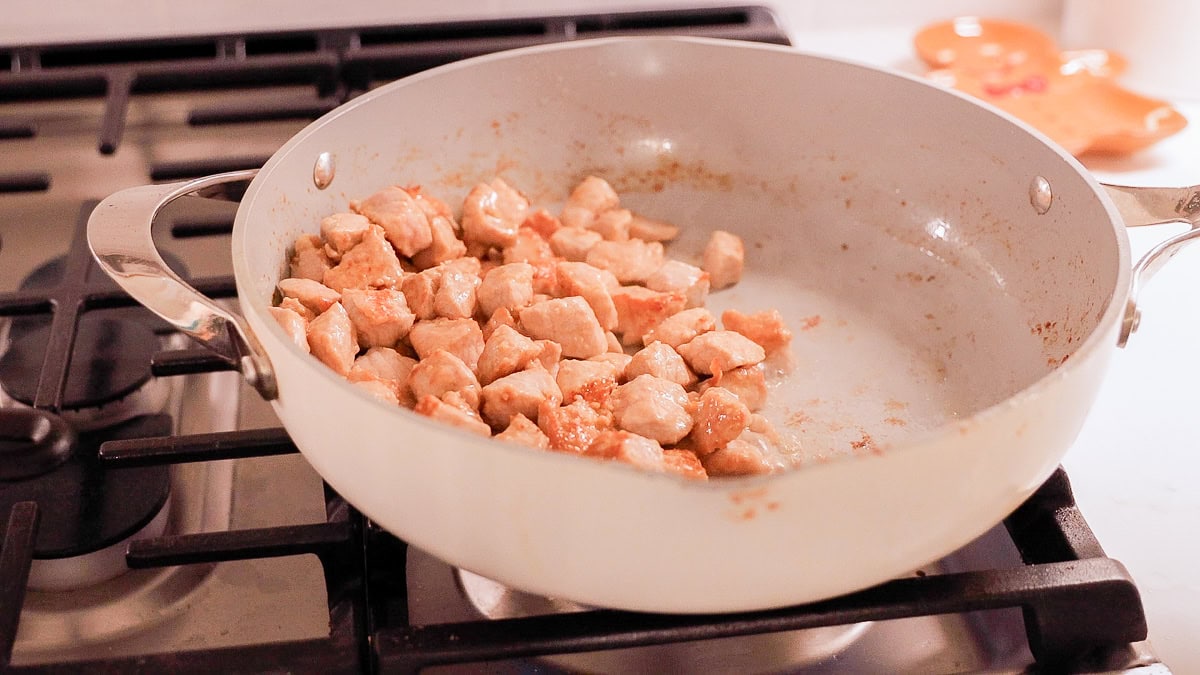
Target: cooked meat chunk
{"x": 593, "y": 381}
{"x": 444, "y": 244}
{"x": 572, "y": 427}
{"x": 568, "y": 321}
{"x": 660, "y": 360}
{"x": 614, "y": 342}
{"x": 680, "y": 276}
{"x": 293, "y": 324}
{"x": 721, "y": 350}
{"x": 529, "y": 247}
{"x": 460, "y": 337}
{"x": 646, "y": 229}
{"x": 549, "y": 356}
{"x": 619, "y": 361}
{"x": 522, "y": 392}
{"x": 765, "y": 328}
{"x": 738, "y": 458}
{"x": 434, "y": 408}
{"x": 504, "y": 353}
{"x": 331, "y": 339}
{"x": 724, "y": 257}
{"x": 420, "y": 290}
{"x": 297, "y": 307}
{"x": 404, "y": 222}
{"x": 388, "y": 366}
{"x": 309, "y": 260}
{"x": 720, "y": 417}
{"x": 379, "y": 390}
{"x": 683, "y": 327}
{"x": 315, "y": 296}
{"x": 524, "y": 432}
{"x": 500, "y": 317}
{"x": 431, "y": 206}
{"x": 370, "y": 264}
{"x": 343, "y": 231}
{"x": 380, "y": 317}
{"x": 641, "y": 309}
{"x": 440, "y": 372}
{"x": 623, "y": 446}
{"x": 573, "y": 243}
{"x": 593, "y": 285}
{"x": 507, "y": 286}
{"x": 630, "y": 261}
{"x": 456, "y": 293}
{"x": 542, "y": 222}
{"x": 613, "y": 225}
{"x": 684, "y": 463}
{"x": 589, "y": 199}
{"x": 748, "y": 382}
{"x": 652, "y": 407}
{"x": 492, "y": 212}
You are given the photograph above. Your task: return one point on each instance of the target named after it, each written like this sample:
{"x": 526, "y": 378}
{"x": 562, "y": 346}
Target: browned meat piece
{"x": 492, "y": 212}
{"x": 720, "y": 418}
{"x": 572, "y": 427}
{"x": 568, "y": 321}
{"x": 388, "y": 366}
{"x": 456, "y": 294}
{"x": 298, "y": 307}
{"x": 652, "y": 407}
{"x": 680, "y": 276}
{"x": 591, "y": 284}
{"x": 343, "y": 231}
{"x": 529, "y": 247}
{"x": 593, "y": 381}
{"x": 380, "y": 317}
{"x": 660, "y": 360}
{"x": 441, "y": 372}
{"x": 293, "y": 324}
{"x": 623, "y": 446}
{"x": 573, "y": 243}
{"x": 460, "y": 337}
{"x": 431, "y": 206}
{"x": 315, "y": 296}
{"x": 589, "y": 199}
{"x": 524, "y": 432}
{"x": 721, "y": 350}
{"x": 444, "y": 244}
{"x": 613, "y": 225}
{"x": 504, "y": 353}
{"x": 403, "y": 220}
{"x": 641, "y": 309}
{"x": 522, "y": 392}
{"x": 739, "y": 458}
{"x": 379, "y": 390}
{"x": 331, "y": 339}
{"x": 434, "y": 408}
{"x": 370, "y": 264}
{"x": 646, "y": 229}
{"x": 766, "y": 328}
{"x": 614, "y": 342}
{"x": 542, "y": 222}
{"x": 619, "y": 362}
{"x": 500, "y": 317}
{"x": 748, "y": 382}
{"x": 684, "y": 463}
{"x": 549, "y": 356}
{"x": 724, "y": 257}
{"x": 420, "y": 290}
{"x": 309, "y": 260}
{"x": 630, "y": 261}
{"x": 683, "y": 327}
{"x": 507, "y": 286}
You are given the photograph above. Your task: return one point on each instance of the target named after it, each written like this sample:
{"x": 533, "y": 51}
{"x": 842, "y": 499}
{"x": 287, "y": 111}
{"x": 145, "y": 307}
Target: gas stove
{"x": 157, "y": 519}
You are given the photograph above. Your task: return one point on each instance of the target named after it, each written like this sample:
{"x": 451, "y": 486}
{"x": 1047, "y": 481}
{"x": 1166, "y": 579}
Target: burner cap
{"x": 32, "y": 442}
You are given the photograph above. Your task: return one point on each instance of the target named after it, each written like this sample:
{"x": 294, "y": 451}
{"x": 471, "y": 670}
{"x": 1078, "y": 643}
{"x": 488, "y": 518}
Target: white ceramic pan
{"x": 956, "y": 285}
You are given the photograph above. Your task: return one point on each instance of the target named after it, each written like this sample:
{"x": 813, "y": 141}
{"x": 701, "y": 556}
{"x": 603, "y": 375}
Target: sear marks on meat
{"x": 720, "y": 417}
{"x": 683, "y": 462}
{"x": 572, "y": 427}
{"x": 765, "y": 328}
{"x": 592, "y": 381}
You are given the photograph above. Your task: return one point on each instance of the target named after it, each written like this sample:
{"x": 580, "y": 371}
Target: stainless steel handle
{"x": 119, "y": 234}
{"x": 1152, "y": 206}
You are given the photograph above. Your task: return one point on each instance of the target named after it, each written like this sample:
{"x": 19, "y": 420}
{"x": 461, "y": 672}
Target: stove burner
{"x": 32, "y": 442}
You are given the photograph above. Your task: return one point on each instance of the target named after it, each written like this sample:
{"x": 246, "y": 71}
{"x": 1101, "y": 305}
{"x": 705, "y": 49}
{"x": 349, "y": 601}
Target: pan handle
{"x": 1151, "y": 206}
{"x": 119, "y": 234}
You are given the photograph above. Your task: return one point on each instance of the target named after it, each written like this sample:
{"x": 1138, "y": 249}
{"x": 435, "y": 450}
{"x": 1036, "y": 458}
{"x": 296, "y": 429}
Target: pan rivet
{"x": 1040, "y": 194}
{"x": 323, "y": 170}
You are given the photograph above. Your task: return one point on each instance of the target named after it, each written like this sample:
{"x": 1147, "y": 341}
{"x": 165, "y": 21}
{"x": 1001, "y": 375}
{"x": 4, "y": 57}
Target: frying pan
{"x": 956, "y": 285}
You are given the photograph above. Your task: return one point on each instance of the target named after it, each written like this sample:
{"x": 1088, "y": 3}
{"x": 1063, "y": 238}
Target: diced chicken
{"x": 613, "y": 225}
{"x": 630, "y": 261}
{"x": 500, "y": 317}
{"x": 508, "y": 286}
{"x": 403, "y": 220}
{"x": 315, "y": 296}
{"x": 738, "y": 458}
{"x": 504, "y": 353}
{"x": 549, "y": 356}
{"x": 748, "y": 382}
{"x": 623, "y": 446}
{"x": 720, "y": 417}
{"x": 724, "y": 257}
{"x": 542, "y": 222}
{"x": 765, "y": 328}
{"x": 573, "y": 243}
{"x": 420, "y": 290}
{"x": 652, "y": 407}
{"x": 721, "y": 350}
{"x": 661, "y": 361}
{"x": 456, "y": 293}
{"x": 522, "y": 392}
{"x": 593, "y": 381}
{"x": 593, "y": 285}
{"x": 379, "y": 390}
{"x": 444, "y": 244}
{"x": 568, "y": 321}
{"x": 297, "y": 307}
{"x": 434, "y": 408}
{"x": 614, "y": 342}
{"x": 460, "y": 337}
{"x": 387, "y": 366}
{"x": 675, "y": 275}
{"x": 441, "y": 372}
{"x": 641, "y": 309}
{"x": 370, "y": 264}
{"x": 343, "y": 231}
{"x": 683, "y": 327}
{"x": 309, "y": 260}
{"x": 380, "y": 317}
{"x": 524, "y": 432}
{"x": 529, "y": 247}
{"x": 331, "y": 339}
{"x": 618, "y": 360}
{"x": 684, "y": 463}
{"x": 492, "y": 212}
{"x": 589, "y": 199}
{"x": 293, "y": 324}
{"x": 431, "y": 206}
{"x": 646, "y": 229}
{"x": 572, "y": 427}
